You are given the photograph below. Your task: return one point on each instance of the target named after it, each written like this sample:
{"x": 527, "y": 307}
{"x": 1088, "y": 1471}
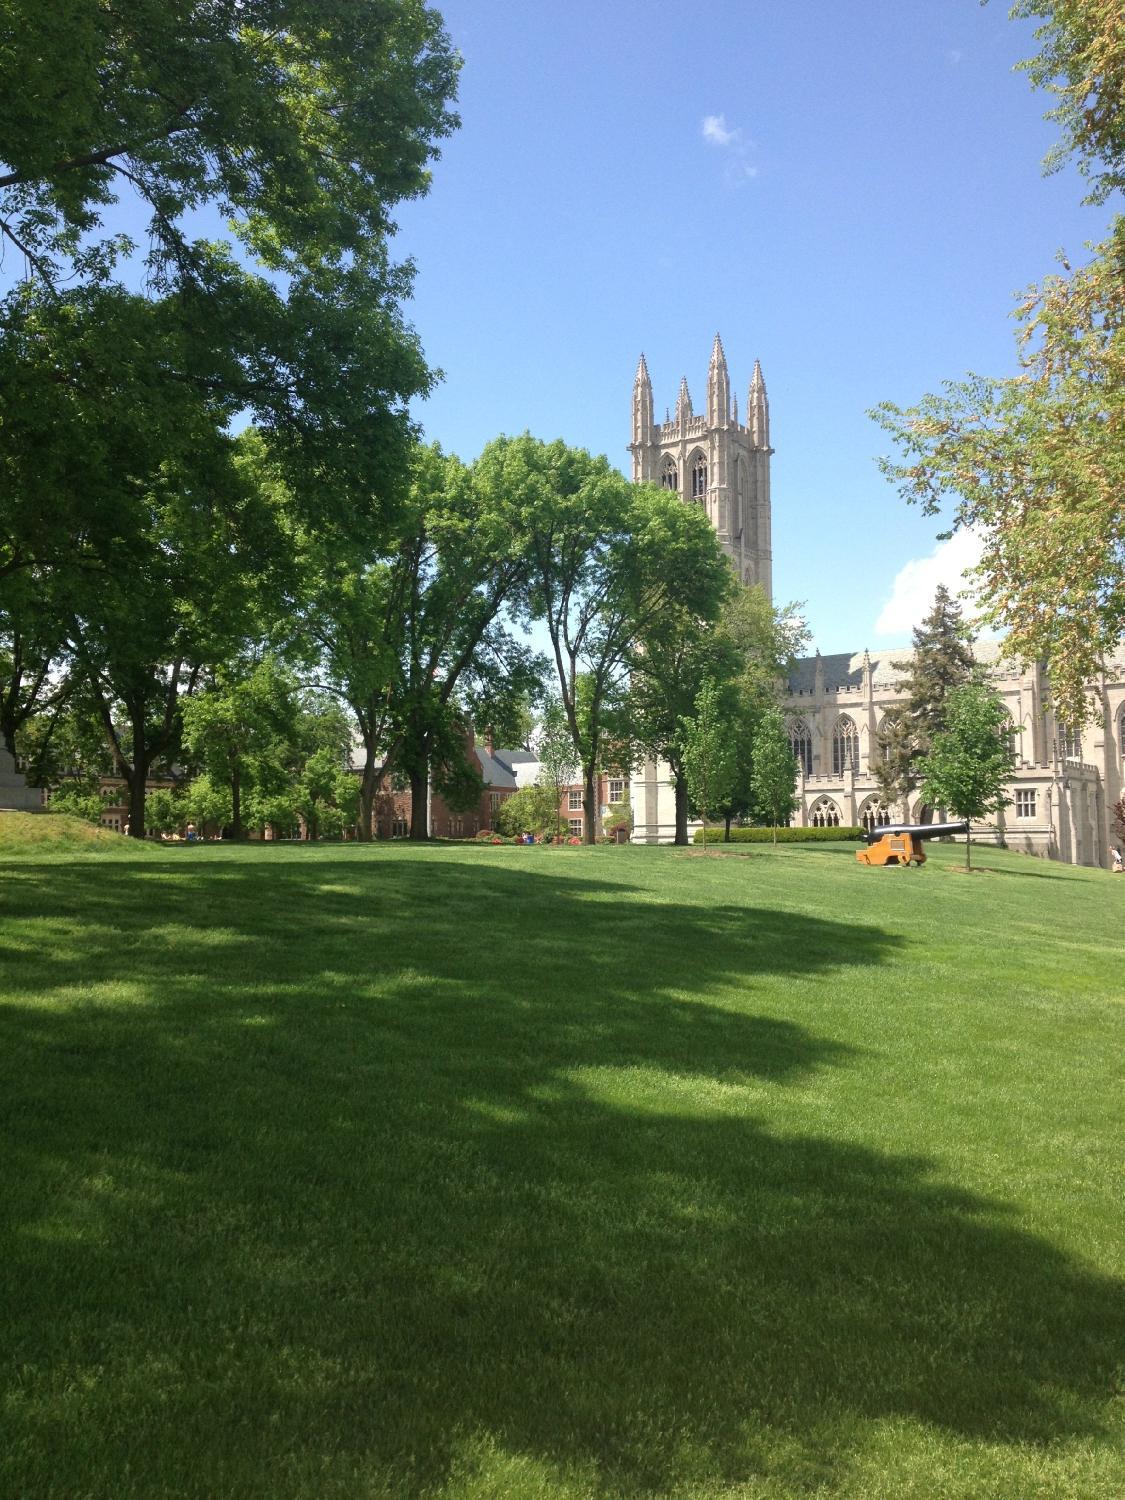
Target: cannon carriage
{"x": 901, "y": 843}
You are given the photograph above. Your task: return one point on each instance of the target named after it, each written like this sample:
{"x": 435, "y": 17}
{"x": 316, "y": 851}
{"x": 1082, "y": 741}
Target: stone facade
{"x": 1065, "y": 784}
{"x": 15, "y": 794}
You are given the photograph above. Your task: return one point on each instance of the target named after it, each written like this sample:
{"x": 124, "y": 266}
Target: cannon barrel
{"x": 916, "y": 830}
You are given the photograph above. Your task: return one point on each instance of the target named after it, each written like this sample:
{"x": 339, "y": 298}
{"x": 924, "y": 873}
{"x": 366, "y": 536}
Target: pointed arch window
{"x": 739, "y": 497}
{"x": 669, "y": 475}
{"x": 1121, "y": 733}
{"x": 1070, "y": 743}
{"x": 800, "y": 742}
{"x": 825, "y": 814}
{"x": 699, "y": 478}
{"x": 845, "y": 746}
{"x": 875, "y": 814}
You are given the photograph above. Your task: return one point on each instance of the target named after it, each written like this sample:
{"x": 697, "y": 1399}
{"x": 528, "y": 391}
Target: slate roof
{"x": 888, "y": 668}
{"x": 496, "y": 774}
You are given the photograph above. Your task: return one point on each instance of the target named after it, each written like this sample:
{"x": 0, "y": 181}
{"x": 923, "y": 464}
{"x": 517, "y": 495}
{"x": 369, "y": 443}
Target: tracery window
{"x": 825, "y": 814}
{"x": 800, "y": 742}
{"x": 699, "y": 478}
{"x": 1007, "y": 732}
{"x": 1070, "y": 743}
{"x": 845, "y": 746}
{"x": 669, "y": 475}
{"x": 876, "y": 814}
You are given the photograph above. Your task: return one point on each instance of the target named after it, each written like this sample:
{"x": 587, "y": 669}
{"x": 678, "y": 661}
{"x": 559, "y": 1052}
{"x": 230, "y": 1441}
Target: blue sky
{"x": 857, "y": 215}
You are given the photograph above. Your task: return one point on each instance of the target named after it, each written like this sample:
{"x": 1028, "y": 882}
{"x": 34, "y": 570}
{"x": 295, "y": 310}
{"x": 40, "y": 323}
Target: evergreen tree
{"x": 942, "y": 661}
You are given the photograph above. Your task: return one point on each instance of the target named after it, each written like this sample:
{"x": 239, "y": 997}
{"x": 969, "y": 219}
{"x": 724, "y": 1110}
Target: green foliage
{"x": 971, "y": 761}
{"x": 1082, "y": 62}
{"x": 207, "y": 804}
{"x": 774, "y": 774}
{"x": 787, "y": 835}
{"x": 165, "y": 810}
{"x": 79, "y": 801}
{"x": 532, "y": 809}
{"x": 305, "y": 121}
{"x": 619, "y": 816}
{"x": 708, "y": 757}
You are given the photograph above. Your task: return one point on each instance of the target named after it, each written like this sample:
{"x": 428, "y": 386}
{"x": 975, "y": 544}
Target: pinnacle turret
{"x": 643, "y": 419}
{"x": 683, "y": 401}
{"x": 718, "y": 387}
{"x": 758, "y": 409}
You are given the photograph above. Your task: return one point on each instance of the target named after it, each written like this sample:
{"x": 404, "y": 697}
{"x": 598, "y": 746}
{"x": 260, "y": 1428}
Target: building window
{"x": 670, "y": 475}
{"x": 575, "y": 828}
{"x": 1070, "y": 743}
{"x": 800, "y": 742}
{"x": 616, "y": 790}
{"x": 494, "y": 801}
{"x": 574, "y": 801}
{"x": 875, "y": 815}
{"x": 399, "y": 828}
{"x": 825, "y": 814}
{"x": 845, "y": 746}
{"x": 699, "y": 478}
{"x": 1025, "y": 802}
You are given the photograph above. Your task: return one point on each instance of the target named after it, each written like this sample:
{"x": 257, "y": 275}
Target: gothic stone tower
{"x": 713, "y": 461}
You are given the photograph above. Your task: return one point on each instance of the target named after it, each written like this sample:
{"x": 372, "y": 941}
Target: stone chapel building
{"x": 1066, "y": 781}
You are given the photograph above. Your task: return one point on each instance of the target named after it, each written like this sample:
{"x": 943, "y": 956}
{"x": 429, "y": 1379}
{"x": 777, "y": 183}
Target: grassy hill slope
{"x": 341, "y": 1171}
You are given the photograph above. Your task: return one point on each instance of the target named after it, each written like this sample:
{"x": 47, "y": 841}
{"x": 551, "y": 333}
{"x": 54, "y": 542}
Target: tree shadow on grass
{"x": 320, "y": 1174}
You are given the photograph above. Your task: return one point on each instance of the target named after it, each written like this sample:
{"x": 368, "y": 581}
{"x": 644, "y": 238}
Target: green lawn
{"x": 345, "y": 1171}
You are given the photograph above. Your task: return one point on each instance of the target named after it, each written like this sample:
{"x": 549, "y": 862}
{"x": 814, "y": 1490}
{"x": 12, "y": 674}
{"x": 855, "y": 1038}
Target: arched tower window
{"x": 699, "y": 478}
{"x": 736, "y": 523}
{"x": 845, "y": 746}
{"x": 800, "y": 742}
{"x": 669, "y": 475}
{"x": 825, "y": 814}
{"x": 1007, "y": 732}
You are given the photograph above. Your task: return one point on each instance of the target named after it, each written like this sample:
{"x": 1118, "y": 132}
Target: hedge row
{"x": 784, "y": 835}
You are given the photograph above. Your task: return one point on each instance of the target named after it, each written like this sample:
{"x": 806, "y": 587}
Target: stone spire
{"x": 758, "y": 410}
{"x": 642, "y": 405}
{"x": 718, "y": 387}
{"x": 683, "y": 402}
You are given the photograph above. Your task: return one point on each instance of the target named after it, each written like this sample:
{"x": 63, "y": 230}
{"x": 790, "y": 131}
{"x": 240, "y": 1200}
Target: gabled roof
{"x": 496, "y": 774}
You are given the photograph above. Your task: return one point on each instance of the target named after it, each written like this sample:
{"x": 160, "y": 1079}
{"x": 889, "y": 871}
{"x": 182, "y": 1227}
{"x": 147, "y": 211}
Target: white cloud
{"x": 912, "y": 592}
{"x": 954, "y": 56}
{"x": 731, "y": 140}
{"x": 715, "y": 131}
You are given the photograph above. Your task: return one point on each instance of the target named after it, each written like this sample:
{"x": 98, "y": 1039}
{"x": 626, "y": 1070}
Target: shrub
{"x": 784, "y": 835}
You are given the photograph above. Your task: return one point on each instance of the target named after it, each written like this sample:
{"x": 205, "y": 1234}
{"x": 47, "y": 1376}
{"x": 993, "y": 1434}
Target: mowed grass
{"x": 346, "y": 1171}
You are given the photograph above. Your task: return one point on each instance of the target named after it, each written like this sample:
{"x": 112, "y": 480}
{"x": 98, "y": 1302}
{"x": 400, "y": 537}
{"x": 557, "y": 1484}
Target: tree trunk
{"x": 726, "y": 829}
{"x": 968, "y": 847}
{"x": 236, "y": 801}
{"x": 419, "y": 803}
{"x": 136, "y": 777}
{"x": 368, "y": 786}
{"x": 681, "y": 808}
{"x": 590, "y": 804}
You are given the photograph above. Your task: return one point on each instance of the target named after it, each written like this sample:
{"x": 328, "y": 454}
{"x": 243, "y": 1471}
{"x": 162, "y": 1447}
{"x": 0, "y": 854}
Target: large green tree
{"x": 237, "y": 723}
{"x": 1035, "y": 463}
{"x": 970, "y": 761}
{"x": 607, "y": 558}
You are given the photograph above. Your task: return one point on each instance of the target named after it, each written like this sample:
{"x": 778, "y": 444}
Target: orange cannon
{"x": 901, "y": 843}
